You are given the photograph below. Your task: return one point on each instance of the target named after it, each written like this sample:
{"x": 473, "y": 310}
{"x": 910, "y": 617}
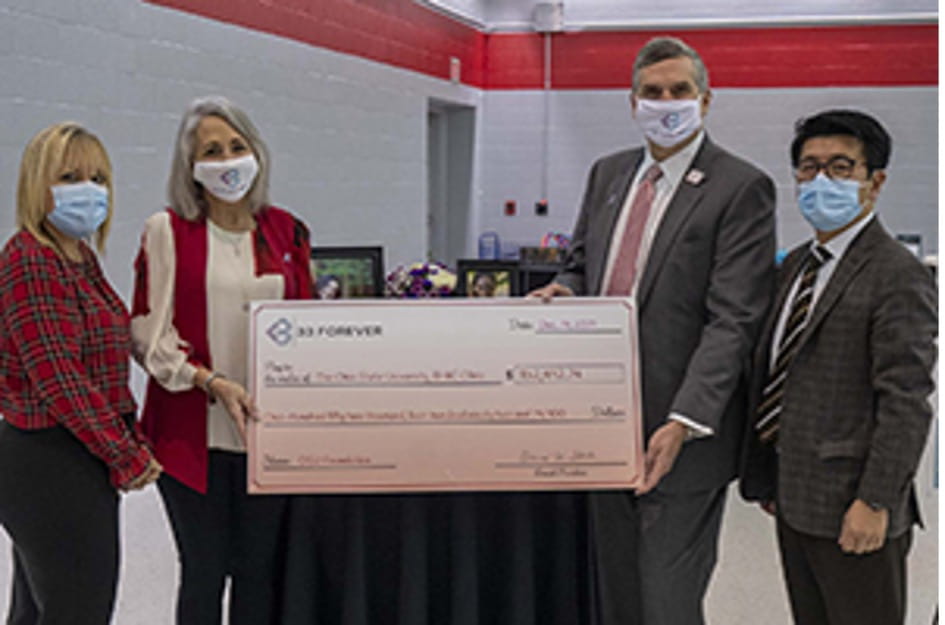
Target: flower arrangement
{"x": 430, "y": 279}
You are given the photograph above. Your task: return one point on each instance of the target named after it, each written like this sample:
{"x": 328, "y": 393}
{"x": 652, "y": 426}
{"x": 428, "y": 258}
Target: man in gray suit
{"x": 842, "y": 384}
{"x": 688, "y": 229}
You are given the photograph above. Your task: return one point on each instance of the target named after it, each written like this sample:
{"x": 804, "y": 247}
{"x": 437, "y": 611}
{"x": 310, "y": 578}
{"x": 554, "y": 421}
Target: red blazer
{"x": 176, "y": 423}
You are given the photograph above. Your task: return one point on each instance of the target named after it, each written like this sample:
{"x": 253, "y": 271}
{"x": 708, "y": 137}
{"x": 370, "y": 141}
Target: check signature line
{"x": 579, "y": 331}
{"x": 353, "y": 467}
{"x": 384, "y": 384}
{"x": 543, "y": 422}
{"x": 577, "y": 463}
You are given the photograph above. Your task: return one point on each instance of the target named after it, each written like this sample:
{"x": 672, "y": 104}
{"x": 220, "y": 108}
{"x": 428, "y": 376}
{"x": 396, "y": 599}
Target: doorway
{"x": 450, "y": 153}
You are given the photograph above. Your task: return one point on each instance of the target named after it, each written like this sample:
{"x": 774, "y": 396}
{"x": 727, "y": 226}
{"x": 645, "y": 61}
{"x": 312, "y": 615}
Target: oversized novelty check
{"x": 444, "y": 395}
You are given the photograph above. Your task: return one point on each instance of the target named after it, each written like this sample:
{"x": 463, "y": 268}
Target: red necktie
{"x": 624, "y": 272}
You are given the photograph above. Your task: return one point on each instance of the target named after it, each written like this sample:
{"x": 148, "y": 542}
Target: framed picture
{"x": 487, "y": 278}
{"x": 538, "y": 266}
{"x": 347, "y": 272}
{"x": 540, "y": 255}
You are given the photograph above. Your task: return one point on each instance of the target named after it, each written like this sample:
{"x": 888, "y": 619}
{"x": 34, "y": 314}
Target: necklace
{"x": 232, "y": 240}
{"x": 234, "y": 252}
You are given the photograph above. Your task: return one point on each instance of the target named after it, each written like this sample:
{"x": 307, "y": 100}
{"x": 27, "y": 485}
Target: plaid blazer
{"x": 64, "y": 347}
{"x": 855, "y": 412}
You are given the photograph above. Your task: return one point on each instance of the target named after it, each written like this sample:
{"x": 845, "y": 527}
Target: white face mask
{"x": 228, "y": 180}
{"x": 668, "y": 122}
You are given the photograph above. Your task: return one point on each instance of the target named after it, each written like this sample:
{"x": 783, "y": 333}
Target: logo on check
{"x": 280, "y": 332}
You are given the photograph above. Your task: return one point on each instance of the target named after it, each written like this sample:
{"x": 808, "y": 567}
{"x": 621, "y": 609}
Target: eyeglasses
{"x": 838, "y": 167}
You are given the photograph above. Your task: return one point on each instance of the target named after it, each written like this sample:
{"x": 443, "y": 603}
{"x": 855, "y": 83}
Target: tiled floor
{"x": 746, "y": 589}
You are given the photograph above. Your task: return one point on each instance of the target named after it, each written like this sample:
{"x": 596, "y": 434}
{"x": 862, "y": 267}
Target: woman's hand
{"x": 150, "y": 474}
{"x": 236, "y": 400}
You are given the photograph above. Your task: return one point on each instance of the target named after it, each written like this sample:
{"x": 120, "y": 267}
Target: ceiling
{"x": 519, "y": 15}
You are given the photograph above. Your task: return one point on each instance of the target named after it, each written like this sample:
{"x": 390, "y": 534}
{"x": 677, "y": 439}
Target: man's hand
{"x": 864, "y": 529}
{"x": 553, "y": 289}
{"x": 661, "y": 453}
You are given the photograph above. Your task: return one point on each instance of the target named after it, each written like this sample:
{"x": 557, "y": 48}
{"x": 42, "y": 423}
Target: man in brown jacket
{"x": 840, "y": 409}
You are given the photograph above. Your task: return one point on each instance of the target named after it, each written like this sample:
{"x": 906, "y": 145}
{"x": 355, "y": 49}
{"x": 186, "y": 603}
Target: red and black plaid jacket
{"x": 64, "y": 351}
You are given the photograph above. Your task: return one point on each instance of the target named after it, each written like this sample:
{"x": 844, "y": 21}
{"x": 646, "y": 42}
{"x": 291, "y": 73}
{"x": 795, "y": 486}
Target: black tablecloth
{"x": 439, "y": 559}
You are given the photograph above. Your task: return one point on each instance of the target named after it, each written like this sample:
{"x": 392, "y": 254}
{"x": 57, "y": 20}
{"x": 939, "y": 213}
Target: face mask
{"x": 668, "y": 122}
{"x": 828, "y": 204}
{"x": 228, "y": 180}
{"x": 78, "y": 209}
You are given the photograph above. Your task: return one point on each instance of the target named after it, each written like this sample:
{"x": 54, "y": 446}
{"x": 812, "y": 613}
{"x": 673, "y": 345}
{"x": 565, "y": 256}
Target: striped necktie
{"x": 624, "y": 272}
{"x": 769, "y": 410}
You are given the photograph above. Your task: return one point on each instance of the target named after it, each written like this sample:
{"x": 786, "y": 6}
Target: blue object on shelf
{"x": 489, "y": 245}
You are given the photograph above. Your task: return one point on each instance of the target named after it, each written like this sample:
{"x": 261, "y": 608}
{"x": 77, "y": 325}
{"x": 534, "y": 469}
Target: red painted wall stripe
{"x": 404, "y": 34}
{"x": 396, "y": 32}
{"x": 769, "y": 57}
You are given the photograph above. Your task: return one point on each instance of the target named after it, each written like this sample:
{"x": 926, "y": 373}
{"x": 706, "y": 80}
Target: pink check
{"x": 444, "y": 395}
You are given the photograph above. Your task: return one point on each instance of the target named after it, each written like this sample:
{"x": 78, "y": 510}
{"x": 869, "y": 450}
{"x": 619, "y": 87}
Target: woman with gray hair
{"x": 217, "y": 247}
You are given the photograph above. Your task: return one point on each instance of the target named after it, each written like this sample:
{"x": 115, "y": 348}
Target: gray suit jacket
{"x": 855, "y": 412}
{"x": 702, "y": 296}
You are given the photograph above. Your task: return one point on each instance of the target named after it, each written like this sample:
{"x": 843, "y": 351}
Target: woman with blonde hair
{"x": 217, "y": 247}
{"x": 68, "y": 439}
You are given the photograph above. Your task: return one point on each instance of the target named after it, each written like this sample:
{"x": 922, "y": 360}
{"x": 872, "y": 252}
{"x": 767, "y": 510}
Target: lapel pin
{"x": 695, "y": 176}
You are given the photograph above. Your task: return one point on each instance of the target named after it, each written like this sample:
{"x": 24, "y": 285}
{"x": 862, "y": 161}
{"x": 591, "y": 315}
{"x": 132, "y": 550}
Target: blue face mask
{"x": 78, "y": 209}
{"x": 829, "y": 204}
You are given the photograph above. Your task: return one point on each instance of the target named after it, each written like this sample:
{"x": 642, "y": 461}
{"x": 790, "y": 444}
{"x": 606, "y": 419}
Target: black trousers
{"x": 226, "y": 533}
{"x": 61, "y": 513}
{"x": 829, "y": 587}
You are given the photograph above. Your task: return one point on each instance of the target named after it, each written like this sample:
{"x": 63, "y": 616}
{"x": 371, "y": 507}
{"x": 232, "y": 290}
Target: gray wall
{"x": 348, "y": 136}
{"x": 754, "y": 123}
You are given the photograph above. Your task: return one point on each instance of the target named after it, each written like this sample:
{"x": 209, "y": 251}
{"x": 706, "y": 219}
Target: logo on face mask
{"x": 671, "y": 121}
{"x": 668, "y": 122}
{"x": 231, "y": 178}
{"x": 228, "y": 180}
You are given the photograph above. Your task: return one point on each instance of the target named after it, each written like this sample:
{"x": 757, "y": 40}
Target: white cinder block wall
{"x": 757, "y": 124}
{"x": 347, "y": 136}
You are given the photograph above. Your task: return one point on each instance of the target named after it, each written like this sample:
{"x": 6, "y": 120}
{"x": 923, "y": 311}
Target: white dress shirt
{"x": 837, "y": 247}
{"x": 674, "y": 169}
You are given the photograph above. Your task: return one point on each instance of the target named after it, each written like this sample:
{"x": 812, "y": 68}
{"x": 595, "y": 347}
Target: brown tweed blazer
{"x": 856, "y": 412}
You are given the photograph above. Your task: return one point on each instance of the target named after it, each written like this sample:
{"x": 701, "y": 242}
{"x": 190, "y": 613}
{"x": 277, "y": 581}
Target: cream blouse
{"x": 231, "y": 284}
